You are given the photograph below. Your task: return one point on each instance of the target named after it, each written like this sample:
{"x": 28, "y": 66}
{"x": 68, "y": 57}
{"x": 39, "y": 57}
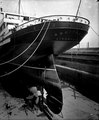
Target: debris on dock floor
{"x": 78, "y": 107}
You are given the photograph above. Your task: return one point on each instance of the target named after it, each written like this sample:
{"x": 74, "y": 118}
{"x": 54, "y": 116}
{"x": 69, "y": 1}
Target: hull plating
{"x": 31, "y": 47}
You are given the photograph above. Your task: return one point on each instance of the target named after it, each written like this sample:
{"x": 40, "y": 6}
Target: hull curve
{"x": 31, "y": 47}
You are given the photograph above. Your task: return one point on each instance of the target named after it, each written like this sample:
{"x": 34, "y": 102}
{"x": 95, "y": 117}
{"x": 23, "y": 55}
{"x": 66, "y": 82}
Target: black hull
{"x": 17, "y": 83}
{"x": 32, "y": 47}
{"x": 59, "y": 37}
{"x": 26, "y": 48}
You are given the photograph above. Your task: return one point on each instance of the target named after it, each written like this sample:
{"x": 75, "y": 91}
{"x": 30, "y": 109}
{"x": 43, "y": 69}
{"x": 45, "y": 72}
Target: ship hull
{"x": 32, "y": 48}
{"x": 57, "y": 38}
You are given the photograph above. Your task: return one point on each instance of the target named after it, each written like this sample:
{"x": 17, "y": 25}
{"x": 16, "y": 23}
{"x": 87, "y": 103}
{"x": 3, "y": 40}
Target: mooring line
{"x": 29, "y": 56}
{"x": 25, "y": 49}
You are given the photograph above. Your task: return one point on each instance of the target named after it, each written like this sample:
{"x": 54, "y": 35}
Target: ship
{"x": 28, "y": 46}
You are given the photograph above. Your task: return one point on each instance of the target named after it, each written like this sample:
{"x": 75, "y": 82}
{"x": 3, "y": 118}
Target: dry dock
{"x": 74, "y": 108}
{"x": 80, "y": 67}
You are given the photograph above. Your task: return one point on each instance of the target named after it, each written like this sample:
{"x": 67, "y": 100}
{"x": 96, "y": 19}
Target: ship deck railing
{"x": 65, "y": 18}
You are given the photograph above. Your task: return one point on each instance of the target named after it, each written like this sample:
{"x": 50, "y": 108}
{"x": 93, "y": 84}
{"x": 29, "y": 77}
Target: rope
{"x": 25, "y": 49}
{"x": 38, "y": 68}
{"x": 29, "y": 56}
{"x": 94, "y": 31}
{"x": 56, "y": 99}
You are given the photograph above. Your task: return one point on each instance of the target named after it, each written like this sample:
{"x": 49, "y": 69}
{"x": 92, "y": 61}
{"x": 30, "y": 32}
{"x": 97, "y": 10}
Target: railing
{"x": 66, "y": 18}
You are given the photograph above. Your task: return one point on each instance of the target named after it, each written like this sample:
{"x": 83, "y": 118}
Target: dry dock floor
{"x": 74, "y": 108}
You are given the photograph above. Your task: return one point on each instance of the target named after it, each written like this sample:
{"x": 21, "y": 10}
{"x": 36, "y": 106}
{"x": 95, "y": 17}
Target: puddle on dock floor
{"x": 73, "y": 108}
